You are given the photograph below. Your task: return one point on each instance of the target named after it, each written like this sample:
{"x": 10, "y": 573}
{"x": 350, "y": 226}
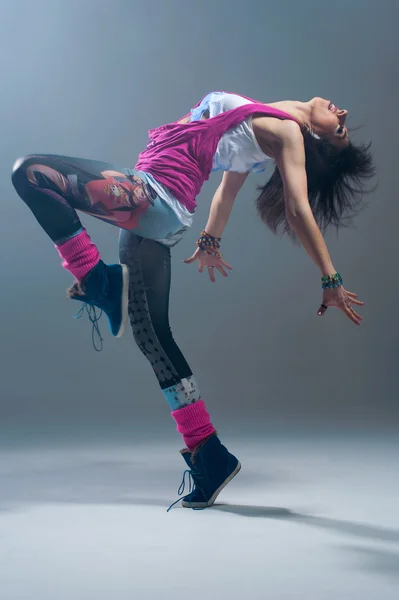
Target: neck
{"x": 301, "y": 111}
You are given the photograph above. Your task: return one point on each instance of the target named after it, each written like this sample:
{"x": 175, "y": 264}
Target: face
{"x": 328, "y": 121}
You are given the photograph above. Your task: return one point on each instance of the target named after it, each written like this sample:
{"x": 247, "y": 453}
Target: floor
{"x": 312, "y": 517}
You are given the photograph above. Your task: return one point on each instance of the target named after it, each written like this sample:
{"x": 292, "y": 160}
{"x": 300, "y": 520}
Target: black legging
{"x": 150, "y": 274}
{"x": 53, "y": 187}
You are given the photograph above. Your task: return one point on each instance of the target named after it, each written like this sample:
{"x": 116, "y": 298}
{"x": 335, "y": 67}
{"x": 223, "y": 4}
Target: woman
{"x": 316, "y": 183}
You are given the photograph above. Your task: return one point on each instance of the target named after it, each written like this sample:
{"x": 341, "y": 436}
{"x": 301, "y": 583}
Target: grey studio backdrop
{"x": 89, "y": 78}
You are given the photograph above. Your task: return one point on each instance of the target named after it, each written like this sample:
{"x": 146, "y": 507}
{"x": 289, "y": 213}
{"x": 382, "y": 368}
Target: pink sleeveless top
{"x": 180, "y": 156}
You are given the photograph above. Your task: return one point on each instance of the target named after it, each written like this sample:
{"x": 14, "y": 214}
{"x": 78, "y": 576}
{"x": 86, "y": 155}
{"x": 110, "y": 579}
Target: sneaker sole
{"x": 125, "y": 300}
{"x": 215, "y": 495}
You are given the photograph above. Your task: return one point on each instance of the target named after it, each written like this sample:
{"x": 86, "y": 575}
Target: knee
{"x": 19, "y": 170}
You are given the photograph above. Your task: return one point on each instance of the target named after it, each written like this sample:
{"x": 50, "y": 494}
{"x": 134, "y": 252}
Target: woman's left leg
{"x": 149, "y": 264}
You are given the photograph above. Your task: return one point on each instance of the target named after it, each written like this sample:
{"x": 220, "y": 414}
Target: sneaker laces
{"x": 189, "y": 474}
{"x": 94, "y": 318}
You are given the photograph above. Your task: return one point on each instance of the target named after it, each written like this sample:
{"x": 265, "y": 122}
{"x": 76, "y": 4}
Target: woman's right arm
{"x": 290, "y": 159}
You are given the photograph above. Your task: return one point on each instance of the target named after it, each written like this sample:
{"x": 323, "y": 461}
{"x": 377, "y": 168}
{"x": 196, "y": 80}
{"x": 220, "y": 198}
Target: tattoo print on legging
{"x": 55, "y": 187}
{"x": 149, "y": 264}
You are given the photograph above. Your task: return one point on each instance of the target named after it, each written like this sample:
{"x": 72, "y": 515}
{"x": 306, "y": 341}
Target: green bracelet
{"x": 332, "y": 281}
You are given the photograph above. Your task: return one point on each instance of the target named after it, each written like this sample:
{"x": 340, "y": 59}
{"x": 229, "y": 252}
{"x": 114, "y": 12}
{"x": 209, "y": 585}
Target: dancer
{"x": 317, "y": 182}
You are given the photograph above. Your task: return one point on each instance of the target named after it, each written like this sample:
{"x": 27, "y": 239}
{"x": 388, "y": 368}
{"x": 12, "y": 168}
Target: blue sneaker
{"x": 210, "y": 467}
{"x": 105, "y": 287}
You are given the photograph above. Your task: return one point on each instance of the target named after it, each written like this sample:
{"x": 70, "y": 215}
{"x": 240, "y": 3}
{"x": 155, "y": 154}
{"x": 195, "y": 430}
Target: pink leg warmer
{"x": 193, "y": 422}
{"x": 79, "y": 255}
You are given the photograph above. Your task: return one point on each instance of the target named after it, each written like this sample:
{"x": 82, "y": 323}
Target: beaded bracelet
{"x": 332, "y": 281}
{"x": 207, "y": 241}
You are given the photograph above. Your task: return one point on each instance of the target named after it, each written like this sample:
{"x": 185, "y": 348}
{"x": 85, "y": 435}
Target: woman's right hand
{"x": 342, "y": 299}
{"x": 210, "y": 262}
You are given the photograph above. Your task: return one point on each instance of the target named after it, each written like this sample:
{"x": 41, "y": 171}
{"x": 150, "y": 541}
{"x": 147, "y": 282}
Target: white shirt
{"x": 238, "y": 149}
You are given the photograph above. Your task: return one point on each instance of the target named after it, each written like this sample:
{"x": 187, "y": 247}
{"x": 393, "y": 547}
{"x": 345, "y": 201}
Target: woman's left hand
{"x": 209, "y": 262}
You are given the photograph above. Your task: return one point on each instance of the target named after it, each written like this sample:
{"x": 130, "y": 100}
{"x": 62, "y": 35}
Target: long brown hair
{"x": 335, "y": 185}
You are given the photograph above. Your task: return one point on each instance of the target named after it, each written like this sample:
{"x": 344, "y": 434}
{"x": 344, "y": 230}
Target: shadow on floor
{"x": 361, "y": 530}
{"x": 124, "y": 483}
{"x": 375, "y": 560}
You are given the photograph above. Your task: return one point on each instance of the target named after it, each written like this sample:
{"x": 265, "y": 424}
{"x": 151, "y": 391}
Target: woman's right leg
{"x": 149, "y": 264}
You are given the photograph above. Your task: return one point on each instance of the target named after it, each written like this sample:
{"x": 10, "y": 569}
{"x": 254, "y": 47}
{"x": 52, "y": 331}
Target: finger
{"x": 358, "y": 302}
{"x": 322, "y": 310}
{"x": 355, "y": 313}
{"x": 211, "y": 273}
{"x": 353, "y": 298}
{"x": 189, "y": 260}
{"x": 200, "y": 267}
{"x": 351, "y": 314}
{"x": 221, "y": 270}
{"x": 350, "y": 307}
{"x": 225, "y": 264}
